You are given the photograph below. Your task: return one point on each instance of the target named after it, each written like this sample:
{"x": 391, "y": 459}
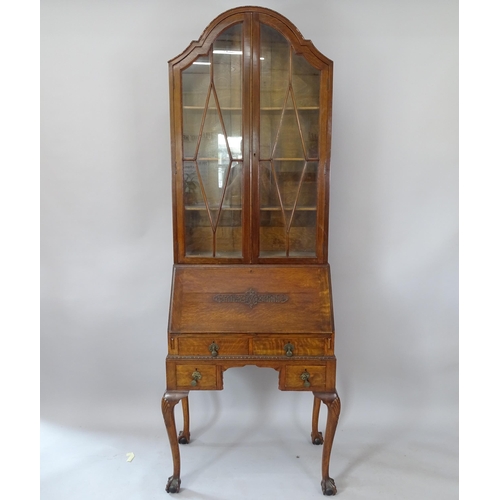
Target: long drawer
{"x": 290, "y": 347}
{"x": 212, "y": 346}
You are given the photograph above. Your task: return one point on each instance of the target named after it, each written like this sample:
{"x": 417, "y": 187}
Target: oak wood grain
{"x": 200, "y": 346}
{"x": 273, "y": 346}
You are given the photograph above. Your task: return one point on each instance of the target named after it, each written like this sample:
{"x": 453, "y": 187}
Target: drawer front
{"x": 195, "y": 377}
{"x": 298, "y": 377}
{"x": 209, "y": 346}
{"x": 290, "y": 347}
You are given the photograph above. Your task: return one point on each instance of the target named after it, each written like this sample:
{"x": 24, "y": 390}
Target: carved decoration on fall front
{"x": 251, "y": 298}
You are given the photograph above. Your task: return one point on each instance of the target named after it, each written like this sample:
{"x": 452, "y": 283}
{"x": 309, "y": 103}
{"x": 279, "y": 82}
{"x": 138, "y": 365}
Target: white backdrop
{"x": 106, "y": 252}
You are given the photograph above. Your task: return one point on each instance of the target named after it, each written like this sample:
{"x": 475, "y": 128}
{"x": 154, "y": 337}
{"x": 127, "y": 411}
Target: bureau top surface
{"x": 251, "y": 299}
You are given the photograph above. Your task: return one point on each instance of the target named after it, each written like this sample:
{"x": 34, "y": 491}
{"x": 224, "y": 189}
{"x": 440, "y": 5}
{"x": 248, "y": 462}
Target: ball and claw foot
{"x": 183, "y": 439}
{"x": 173, "y": 485}
{"x": 328, "y": 487}
{"x": 317, "y": 438}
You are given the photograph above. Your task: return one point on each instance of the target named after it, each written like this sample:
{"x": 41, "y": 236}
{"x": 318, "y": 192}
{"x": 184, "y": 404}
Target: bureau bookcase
{"x": 251, "y": 105}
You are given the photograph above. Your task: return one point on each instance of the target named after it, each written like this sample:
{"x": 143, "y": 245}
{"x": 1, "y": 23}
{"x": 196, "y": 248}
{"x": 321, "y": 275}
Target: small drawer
{"x": 290, "y": 347}
{"x": 210, "y": 346}
{"x": 298, "y": 377}
{"x": 194, "y": 377}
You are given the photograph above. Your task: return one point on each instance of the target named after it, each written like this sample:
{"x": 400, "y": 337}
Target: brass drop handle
{"x": 289, "y": 350}
{"x": 214, "y": 349}
{"x": 196, "y": 376}
{"x": 305, "y": 377}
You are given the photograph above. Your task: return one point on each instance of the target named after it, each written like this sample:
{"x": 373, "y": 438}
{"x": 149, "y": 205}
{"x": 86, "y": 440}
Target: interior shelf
{"x": 203, "y": 208}
{"x": 278, "y": 209}
{"x": 273, "y": 108}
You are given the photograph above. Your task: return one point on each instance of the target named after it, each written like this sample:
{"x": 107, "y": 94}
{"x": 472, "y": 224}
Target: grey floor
{"x": 240, "y": 452}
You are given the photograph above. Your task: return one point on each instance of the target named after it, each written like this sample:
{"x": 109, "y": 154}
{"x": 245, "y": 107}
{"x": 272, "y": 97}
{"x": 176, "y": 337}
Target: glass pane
{"x": 308, "y": 194}
{"x": 197, "y": 222}
{"x": 227, "y": 79}
{"x": 195, "y": 83}
{"x": 274, "y": 67}
{"x": 212, "y": 139}
{"x": 289, "y": 143}
{"x": 274, "y": 84}
{"x": 289, "y": 131}
{"x": 227, "y": 57}
{"x": 309, "y": 125}
{"x": 267, "y": 184}
{"x": 302, "y": 234}
{"x": 222, "y": 216}
{"x": 212, "y": 136}
{"x": 232, "y": 122}
{"x": 276, "y": 236}
{"x": 272, "y": 234}
{"x": 306, "y": 86}
{"x": 192, "y": 192}
{"x": 288, "y": 175}
{"x": 272, "y": 222}
{"x": 195, "y": 87}
{"x": 228, "y": 234}
{"x": 305, "y": 82}
{"x": 213, "y": 175}
{"x": 269, "y": 123}
{"x": 233, "y": 196}
{"x": 198, "y": 234}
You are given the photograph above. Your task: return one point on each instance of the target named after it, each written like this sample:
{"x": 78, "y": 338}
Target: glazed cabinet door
{"x": 212, "y": 177}
{"x": 250, "y": 104}
{"x": 288, "y": 152}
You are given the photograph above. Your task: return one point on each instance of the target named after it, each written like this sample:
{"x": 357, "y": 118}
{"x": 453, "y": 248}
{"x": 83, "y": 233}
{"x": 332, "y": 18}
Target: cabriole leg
{"x": 168, "y": 402}
{"x": 184, "y": 435}
{"x": 332, "y": 402}
{"x": 316, "y": 436}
